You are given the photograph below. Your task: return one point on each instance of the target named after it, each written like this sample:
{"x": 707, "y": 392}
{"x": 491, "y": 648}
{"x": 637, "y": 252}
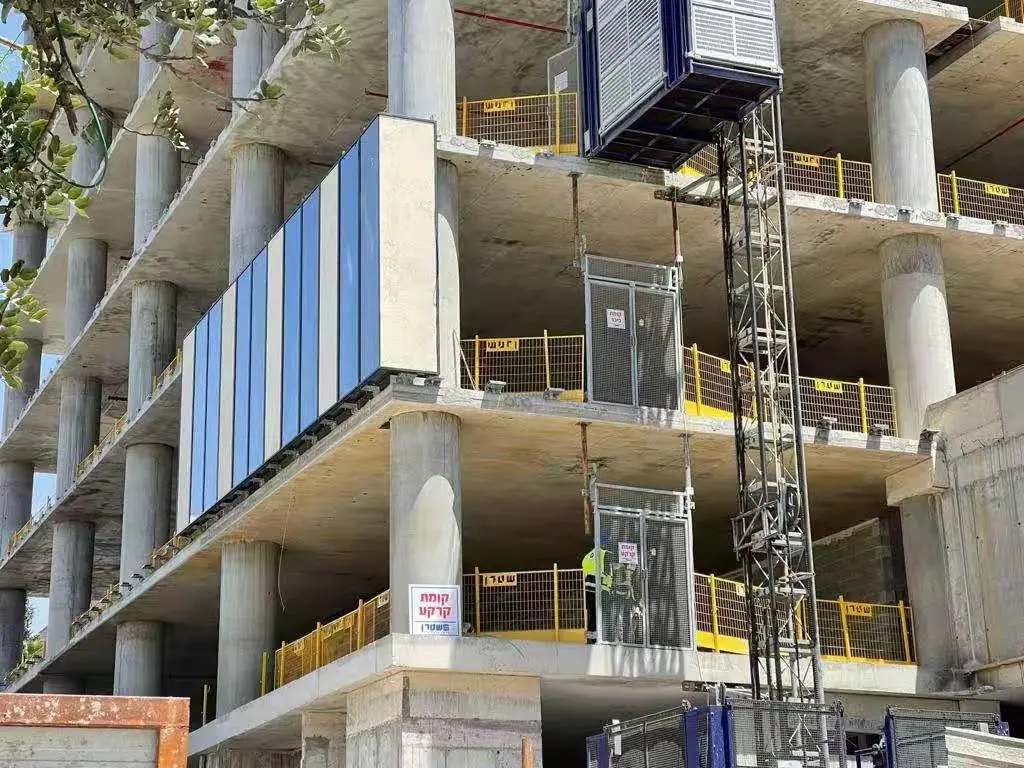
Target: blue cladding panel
{"x": 196, "y": 507}
{"x": 243, "y": 351}
{"x": 290, "y": 342}
{"x": 369, "y": 254}
{"x": 212, "y": 406}
{"x": 258, "y": 361}
{"x": 348, "y": 274}
{"x": 310, "y": 309}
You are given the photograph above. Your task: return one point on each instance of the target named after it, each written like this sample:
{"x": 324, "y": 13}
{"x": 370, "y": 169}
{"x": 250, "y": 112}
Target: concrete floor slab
{"x": 329, "y": 508}
{"x": 977, "y": 91}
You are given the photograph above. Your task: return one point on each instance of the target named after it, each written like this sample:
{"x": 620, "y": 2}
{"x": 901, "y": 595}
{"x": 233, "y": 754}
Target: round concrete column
{"x": 257, "y": 202}
{"x": 89, "y": 151}
{"x": 87, "y": 282}
{"x": 29, "y": 248}
{"x": 157, "y": 179}
{"x": 248, "y": 619}
{"x": 70, "y": 580}
{"x": 421, "y": 61}
{"x": 255, "y": 48}
{"x": 138, "y": 659}
{"x": 449, "y": 310}
{"x": 154, "y": 38}
{"x": 426, "y": 506}
{"x": 78, "y": 428}
{"x": 15, "y": 499}
{"x": 151, "y": 338}
{"x": 12, "y": 628}
{"x": 917, "y": 341}
{"x": 147, "y": 504}
{"x": 899, "y": 115}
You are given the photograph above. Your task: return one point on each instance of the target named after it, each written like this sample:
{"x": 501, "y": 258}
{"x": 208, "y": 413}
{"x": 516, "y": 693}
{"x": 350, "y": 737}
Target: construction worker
{"x": 596, "y": 561}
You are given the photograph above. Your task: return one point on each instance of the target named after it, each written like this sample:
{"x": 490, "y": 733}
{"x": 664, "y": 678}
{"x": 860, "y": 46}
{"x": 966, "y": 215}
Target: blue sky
{"x": 42, "y": 488}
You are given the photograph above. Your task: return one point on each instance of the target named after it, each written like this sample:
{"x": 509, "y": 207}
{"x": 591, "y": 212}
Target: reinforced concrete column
{"x": 29, "y": 248}
{"x": 151, "y": 339}
{"x": 157, "y": 162}
{"x": 87, "y": 282}
{"x": 89, "y": 143}
{"x": 78, "y": 429}
{"x": 421, "y": 84}
{"x": 70, "y": 580}
{"x": 323, "y": 740}
{"x": 425, "y": 506}
{"x": 917, "y": 340}
{"x": 439, "y": 719}
{"x": 248, "y": 619}
{"x": 147, "y": 504}
{"x": 899, "y": 115}
{"x": 12, "y": 628}
{"x": 257, "y": 202}
{"x": 138, "y": 658}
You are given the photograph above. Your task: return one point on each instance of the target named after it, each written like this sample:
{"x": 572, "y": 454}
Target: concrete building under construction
{"x": 345, "y": 387}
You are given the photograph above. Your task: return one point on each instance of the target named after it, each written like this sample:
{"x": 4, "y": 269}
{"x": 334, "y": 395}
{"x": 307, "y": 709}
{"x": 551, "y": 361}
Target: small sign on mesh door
{"x": 616, "y": 318}
{"x": 628, "y": 553}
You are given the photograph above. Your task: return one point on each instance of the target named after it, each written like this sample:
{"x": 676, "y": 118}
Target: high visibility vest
{"x": 590, "y": 568}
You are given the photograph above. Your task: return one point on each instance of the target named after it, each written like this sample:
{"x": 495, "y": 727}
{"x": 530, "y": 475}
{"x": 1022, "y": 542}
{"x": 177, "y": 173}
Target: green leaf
{"x": 83, "y": 202}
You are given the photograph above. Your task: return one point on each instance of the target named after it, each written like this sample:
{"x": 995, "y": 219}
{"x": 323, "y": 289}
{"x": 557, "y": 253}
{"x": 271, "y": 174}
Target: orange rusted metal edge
{"x": 92, "y": 711}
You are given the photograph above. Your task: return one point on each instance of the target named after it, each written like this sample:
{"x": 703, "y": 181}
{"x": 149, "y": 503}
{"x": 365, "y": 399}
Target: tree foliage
{"x": 35, "y": 183}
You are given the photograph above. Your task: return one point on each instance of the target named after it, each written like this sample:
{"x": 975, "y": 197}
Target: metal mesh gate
{"x": 646, "y": 579}
{"x": 677, "y": 738}
{"x": 786, "y": 734}
{"x": 633, "y": 338}
{"x": 917, "y": 738}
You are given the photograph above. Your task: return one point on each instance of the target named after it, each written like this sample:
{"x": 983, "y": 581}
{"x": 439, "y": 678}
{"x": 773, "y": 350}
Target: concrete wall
{"x": 863, "y": 563}
{"x": 970, "y": 749}
{"x": 54, "y": 747}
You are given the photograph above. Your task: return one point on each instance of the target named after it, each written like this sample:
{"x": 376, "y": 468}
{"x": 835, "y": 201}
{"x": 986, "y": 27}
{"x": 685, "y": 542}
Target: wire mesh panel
{"x": 647, "y": 581}
{"x": 786, "y": 733}
{"x": 544, "y": 122}
{"x": 657, "y": 349}
{"x": 610, "y": 343}
{"x": 917, "y": 738}
{"x": 678, "y": 738}
{"x": 980, "y": 199}
{"x": 526, "y": 364}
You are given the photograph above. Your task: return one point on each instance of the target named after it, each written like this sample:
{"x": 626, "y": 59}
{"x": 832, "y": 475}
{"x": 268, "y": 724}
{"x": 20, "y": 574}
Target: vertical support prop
{"x": 476, "y": 600}
{"x": 554, "y": 573}
{"x": 906, "y": 632}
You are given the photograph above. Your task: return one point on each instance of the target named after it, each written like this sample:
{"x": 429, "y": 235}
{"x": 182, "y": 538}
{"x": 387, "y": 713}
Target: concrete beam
{"x": 248, "y": 619}
{"x": 425, "y": 506}
{"x": 925, "y": 479}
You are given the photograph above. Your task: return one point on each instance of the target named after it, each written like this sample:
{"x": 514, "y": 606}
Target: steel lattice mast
{"x": 771, "y": 528}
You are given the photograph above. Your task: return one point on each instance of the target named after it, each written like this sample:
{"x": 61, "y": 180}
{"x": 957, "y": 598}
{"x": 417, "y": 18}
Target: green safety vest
{"x": 590, "y": 568}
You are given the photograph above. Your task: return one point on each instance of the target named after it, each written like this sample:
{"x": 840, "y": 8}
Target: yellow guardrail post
{"x": 263, "y": 680}
{"x": 465, "y": 116}
{"x": 839, "y": 175}
{"x": 862, "y": 390}
{"x": 846, "y": 627}
{"x": 555, "y": 579}
{"x": 476, "y": 598}
{"x": 955, "y": 191}
{"x": 359, "y": 626}
{"x": 317, "y": 637}
{"x": 476, "y": 362}
{"x": 696, "y": 377}
{"x": 558, "y": 127}
{"x": 906, "y": 634}
{"x": 714, "y": 608}
{"x": 547, "y": 361}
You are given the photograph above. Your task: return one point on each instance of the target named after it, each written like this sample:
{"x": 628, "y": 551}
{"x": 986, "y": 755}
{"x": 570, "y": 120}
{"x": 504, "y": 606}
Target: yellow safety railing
{"x": 106, "y": 440}
{"x": 167, "y": 372}
{"x": 536, "y": 364}
{"x": 549, "y": 606}
{"x": 980, "y": 199}
{"x": 546, "y": 122}
{"x": 18, "y": 535}
{"x": 328, "y": 642}
{"x": 526, "y": 364}
{"x": 549, "y": 122}
{"x": 1013, "y": 9}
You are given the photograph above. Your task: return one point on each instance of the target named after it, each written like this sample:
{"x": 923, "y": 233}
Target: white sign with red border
{"x": 628, "y": 553}
{"x": 435, "y": 610}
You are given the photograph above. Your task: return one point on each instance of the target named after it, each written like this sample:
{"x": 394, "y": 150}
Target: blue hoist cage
{"x": 659, "y": 76}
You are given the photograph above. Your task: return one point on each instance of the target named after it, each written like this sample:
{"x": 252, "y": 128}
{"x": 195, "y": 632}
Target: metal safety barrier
{"x": 980, "y": 199}
{"x": 556, "y": 365}
{"x": 328, "y": 642}
{"x": 93, "y": 456}
{"x": 1013, "y": 9}
{"x": 547, "y": 122}
{"x": 168, "y": 372}
{"x": 548, "y": 606}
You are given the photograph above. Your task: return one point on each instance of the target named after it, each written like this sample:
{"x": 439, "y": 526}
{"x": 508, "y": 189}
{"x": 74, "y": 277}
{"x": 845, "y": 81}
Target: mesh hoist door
{"x": 633, "y": 334}
{"x": 648, "y": 597}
